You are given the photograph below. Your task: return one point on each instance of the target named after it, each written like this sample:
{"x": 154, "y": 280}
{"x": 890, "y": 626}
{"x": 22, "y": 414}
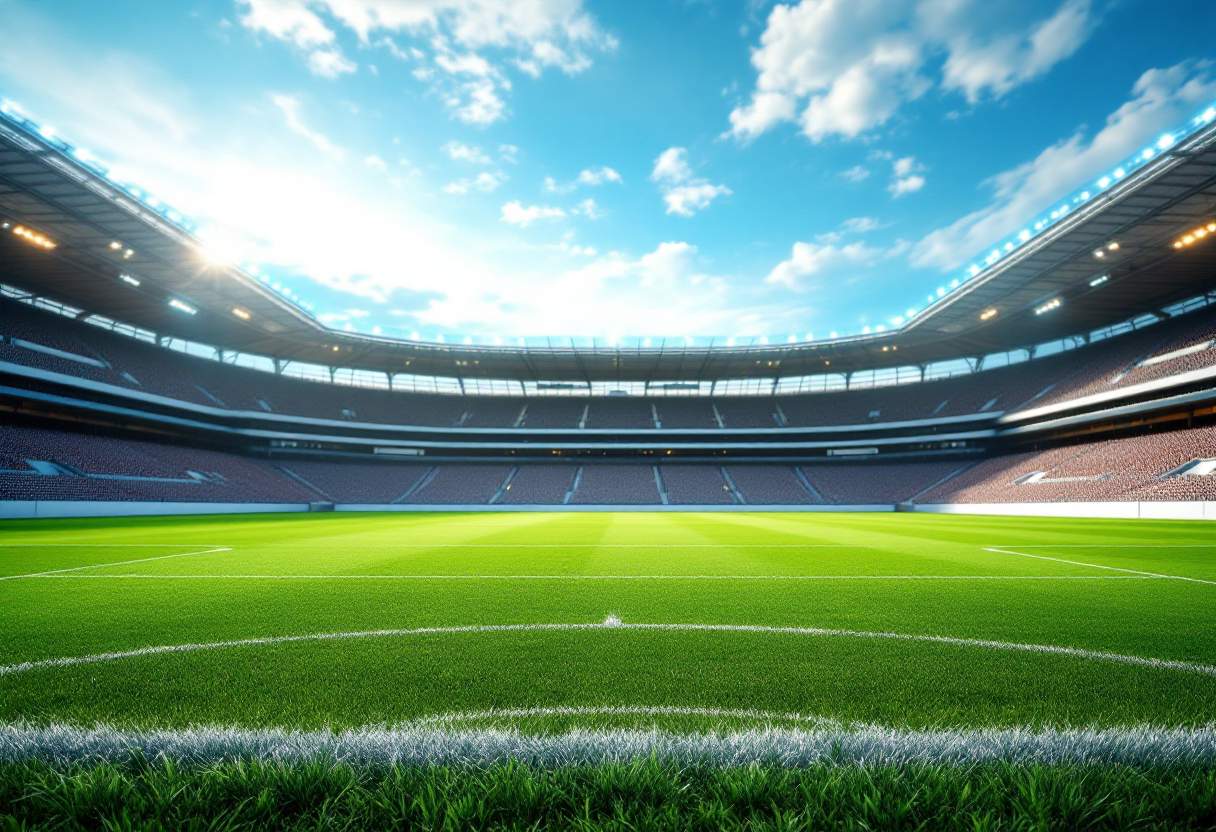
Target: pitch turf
{"x": 1113, "y": 593}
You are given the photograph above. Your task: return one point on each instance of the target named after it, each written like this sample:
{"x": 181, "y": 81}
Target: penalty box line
{"x": 1100, "y": 566}
{"x": 61, "y": 573}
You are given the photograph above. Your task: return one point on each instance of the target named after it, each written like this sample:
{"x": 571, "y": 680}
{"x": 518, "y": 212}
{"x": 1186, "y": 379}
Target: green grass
{"x": 914, "y": 575}
{"x": 643, "y": 795}
{"x": 313, "y": 577}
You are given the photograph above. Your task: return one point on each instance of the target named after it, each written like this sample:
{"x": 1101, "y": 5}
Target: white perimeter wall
{"x": 10, "y": 509}
{"x": 13, "y": 509}
{"x": 1149, "y": 510}
{"x": 360, "y": 507}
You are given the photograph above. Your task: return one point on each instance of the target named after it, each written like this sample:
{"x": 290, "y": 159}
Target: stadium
{"x": 822, "y": 582}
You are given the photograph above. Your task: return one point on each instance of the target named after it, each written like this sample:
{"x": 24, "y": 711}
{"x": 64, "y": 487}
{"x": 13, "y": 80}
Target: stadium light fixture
{"x": 1098, "y": 281}
{"x": 1051, "y": 305}
{"x": 182, "y": 306}
{"x": 33, "y": 237}
{"x": 1113, "y": 245}
{"x": 115, "y": 245}
{"x": 128, "y": 254}
{"x": 988, "y": 314}
{"x": 241, "y": 313}
{"x": 1200, "y": 233}
{"x": 130, "y": 280}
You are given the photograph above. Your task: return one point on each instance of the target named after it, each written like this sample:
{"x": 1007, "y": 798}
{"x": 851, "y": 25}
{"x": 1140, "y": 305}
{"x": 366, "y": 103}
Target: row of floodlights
{"x": 32, "y": 237}
{"x": 1163, "y": 144}
{"x": 1195, "y": 236}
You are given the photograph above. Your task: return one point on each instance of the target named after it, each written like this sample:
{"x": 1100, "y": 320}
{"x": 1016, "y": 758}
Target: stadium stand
{"x": 43, "y": 464}
{"x": 1133, "y": 468}
{"x": 1155, "y": 352}
{"x": 695, "y": 485}
{"x": 555, "y": 413}
{"x": 627, "y": 413}
{"x": 617, "y": 485}
{"x": 747, "y": 412}
{"x": 865, "y": 483}
{"x": 104, "y": 468}
{"x": 770, "y": 485}
{"x": 355, "y": 482}
{"x": 539, "y": 485}
{"x": 686, "y": 412}
{"x": 460, "y": 485}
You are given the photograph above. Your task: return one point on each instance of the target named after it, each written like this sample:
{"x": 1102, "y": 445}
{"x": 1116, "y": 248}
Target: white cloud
{"x": 860, "y": 225}
{"x": 855, "y": 174}
{"x": 288, "y": 20}
{"x": 1161, "y": 99}
{"x": 509, "y": 153}
{"x": 516, "y": 214}
{"x": 330, "y": 63}
{"x": 375, "y": 163}
{"x": 461, "y": 35}
{"x": 477, "y": 103}
{"x": 294, "y": 22}
{"x": 906, "y": 176}
{"x": 808, "y": 259}
{"x": 589, "y": 209}
{"x": 1002, "y": 61}
{"x": 844, "y": 67}
{"x": 290, "y": 107}
{"x": 683, "y": 194}
{"x": 689, "y": 198}
{"x": 588, "y": 176}
{"x": 598, "y": 176}
{"x": 484, "y": 182}
{"x": 672, "y": 166}
{"x": 460, "y": 152}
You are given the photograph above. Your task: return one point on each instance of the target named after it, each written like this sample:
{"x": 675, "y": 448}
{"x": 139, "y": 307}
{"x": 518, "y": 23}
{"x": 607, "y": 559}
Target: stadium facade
{"x": 1077, "y": 364}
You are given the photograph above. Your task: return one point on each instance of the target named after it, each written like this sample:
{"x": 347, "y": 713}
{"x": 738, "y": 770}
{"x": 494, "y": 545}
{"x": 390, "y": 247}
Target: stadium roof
{"x": 1111, "y": 258}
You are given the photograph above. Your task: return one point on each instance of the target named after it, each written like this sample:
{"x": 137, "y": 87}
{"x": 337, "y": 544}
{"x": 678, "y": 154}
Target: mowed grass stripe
{"x": 422, "y": 577}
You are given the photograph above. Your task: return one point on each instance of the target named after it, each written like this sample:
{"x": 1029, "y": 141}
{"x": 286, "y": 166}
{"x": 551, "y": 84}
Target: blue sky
{"x": 662, "y": 168}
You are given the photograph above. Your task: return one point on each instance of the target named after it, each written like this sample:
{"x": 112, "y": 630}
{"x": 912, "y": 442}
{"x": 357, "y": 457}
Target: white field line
{"x": 107, "y": 545}
{"x": 1100, "y": 566}
{"x": 617, "y": 710}
{"x": 60, "y": 572}
{"x": 1166, "y": 664}
{"x": 1142, "y": 745}
{"x": 1112, "y": 545}
{"x": 619, "y": 577}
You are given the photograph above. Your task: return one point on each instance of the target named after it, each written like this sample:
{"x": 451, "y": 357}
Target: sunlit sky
{"x": 665, "y": 168}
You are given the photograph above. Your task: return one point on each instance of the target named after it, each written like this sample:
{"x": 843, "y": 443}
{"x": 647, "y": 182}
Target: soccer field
{"x": 546, "y": 622}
